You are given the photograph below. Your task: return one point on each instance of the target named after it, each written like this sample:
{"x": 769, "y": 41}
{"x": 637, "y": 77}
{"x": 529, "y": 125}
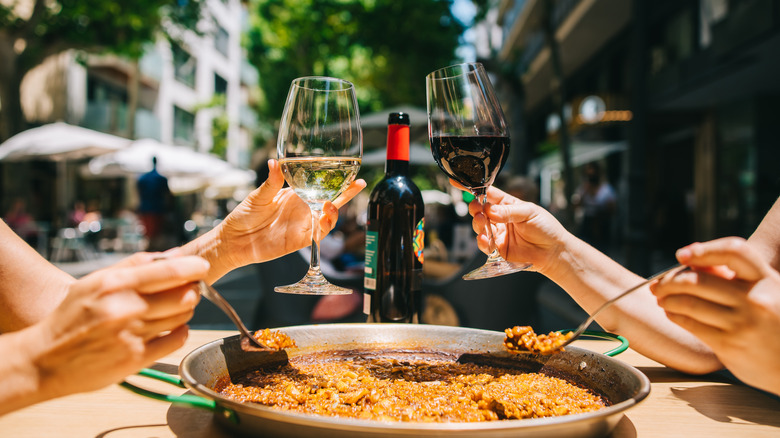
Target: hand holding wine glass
{"x": 469, "y": 141}
{"x": 320, "y": 148}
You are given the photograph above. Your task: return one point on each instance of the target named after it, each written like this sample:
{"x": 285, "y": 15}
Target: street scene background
{"x": 641, "y": 125}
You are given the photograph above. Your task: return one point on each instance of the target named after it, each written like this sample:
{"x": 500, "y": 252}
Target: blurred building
{"x": 676, "y": 97}
{"x": 193, "y": 90}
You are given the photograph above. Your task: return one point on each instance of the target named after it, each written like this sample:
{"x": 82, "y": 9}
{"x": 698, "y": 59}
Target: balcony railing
{"x": 249, "y": 74}
{"x": 247, "y": 117}
{"x": 530, "y": 40}
{"x": 745, "y": 21}
{"x": 151, "y": 64}
{"x": 111, "y": 117}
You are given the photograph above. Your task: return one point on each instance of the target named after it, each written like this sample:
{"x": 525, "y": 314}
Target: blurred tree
{"x": 31, "y": 31}
{"x": 385, "y": 47}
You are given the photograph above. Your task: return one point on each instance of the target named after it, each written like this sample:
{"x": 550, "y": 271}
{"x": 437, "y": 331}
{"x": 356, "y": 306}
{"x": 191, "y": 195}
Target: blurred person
{"x": 22, "y": 222}
{"x": 731, "y": 279}
{"x": 342, "y": 254}
{"x": 155, "y": 201}
{"x": 76, "y": 214}
{"x": 62, "y": 335}
{"x": 522, "y": 187}
{"x": 345, "y": 247}
{"x": 93, "y": 213}
{"x": 597, "y": 202}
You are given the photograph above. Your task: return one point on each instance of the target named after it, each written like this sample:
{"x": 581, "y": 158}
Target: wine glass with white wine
{"x": 320, "y": 147}
{"x": 469, "y": 141}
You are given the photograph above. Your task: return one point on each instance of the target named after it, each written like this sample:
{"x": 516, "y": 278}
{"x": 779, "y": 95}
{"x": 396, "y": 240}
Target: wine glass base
{"x": 313, "y": 286}
{"x": 496, "y": 268}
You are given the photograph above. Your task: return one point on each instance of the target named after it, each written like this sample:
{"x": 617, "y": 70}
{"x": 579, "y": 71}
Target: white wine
{"x": 319, "y": 179}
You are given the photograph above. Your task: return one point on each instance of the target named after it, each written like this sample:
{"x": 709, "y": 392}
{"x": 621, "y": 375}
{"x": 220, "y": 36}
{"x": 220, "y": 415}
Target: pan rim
{"x": 312, "y": 420}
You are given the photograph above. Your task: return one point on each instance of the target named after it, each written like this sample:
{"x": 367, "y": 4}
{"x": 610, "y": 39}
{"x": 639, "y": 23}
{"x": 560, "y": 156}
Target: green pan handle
{"x": 183, "y": 400}
{"x": 606, "y": 335}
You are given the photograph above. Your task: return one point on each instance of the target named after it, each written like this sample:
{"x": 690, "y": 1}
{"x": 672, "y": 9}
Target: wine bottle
{"x": 394, "y": 236}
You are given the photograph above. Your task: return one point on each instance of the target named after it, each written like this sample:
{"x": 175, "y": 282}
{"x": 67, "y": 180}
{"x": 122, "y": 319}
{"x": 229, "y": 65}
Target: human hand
{"x": 114, "y": 322}
{"x": 268, "y": 224}
{"x": 731, "y": 301}
{"x": 523, "y": 231}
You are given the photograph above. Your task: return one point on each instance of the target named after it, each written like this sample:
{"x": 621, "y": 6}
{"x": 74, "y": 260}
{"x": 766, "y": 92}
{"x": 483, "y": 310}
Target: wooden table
{"x": 679, "y": 405}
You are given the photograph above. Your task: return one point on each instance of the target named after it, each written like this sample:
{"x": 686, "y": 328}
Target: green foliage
{"x": 547, "y": 146}
{"x": 219, "y": 123}
{"x": 30, "y": 31}
{"x": 219, "y": 130}
{"x": 94, "y": 25}
{"x": 385, "y": 47}
{"x": 483, "y": 6}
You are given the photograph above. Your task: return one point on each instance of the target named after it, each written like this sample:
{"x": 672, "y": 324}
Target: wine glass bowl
{"x": 469, "y": 141}
{"x": 320, "y": 147}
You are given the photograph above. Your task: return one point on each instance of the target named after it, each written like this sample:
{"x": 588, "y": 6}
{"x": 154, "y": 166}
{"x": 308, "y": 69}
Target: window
{"x": 99, "y": 90}
{"x": 183, "y": 125}
{"x": 106, "y": 106}
{"x": 220, "y": 84}
{"x": 184, "y": 66}
{"x": 221, "y": 40}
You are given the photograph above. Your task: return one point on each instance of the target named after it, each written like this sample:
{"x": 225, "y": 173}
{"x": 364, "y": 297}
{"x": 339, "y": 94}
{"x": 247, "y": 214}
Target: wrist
{"x": 212, "y": 247}
{"x": 563, "y": 259}
{"x": 22, "y": 380}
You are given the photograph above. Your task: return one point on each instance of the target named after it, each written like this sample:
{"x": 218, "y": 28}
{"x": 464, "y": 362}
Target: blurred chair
{"x": 69, "y": 244}
{"x": 493, "y": 303}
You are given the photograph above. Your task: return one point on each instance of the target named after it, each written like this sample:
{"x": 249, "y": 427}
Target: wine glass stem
{"x": 314, "y": 261}
{"x": 481, "y": 195}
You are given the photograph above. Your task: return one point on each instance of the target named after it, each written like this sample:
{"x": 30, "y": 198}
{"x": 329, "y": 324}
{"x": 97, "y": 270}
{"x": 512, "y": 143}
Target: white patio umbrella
{"x": 59, "y": 142}
{"x": 187, "y": 170}
{"x": 419, "y": 155}
{"x": 374, "y": 126}
{"x": 235, "y": 183}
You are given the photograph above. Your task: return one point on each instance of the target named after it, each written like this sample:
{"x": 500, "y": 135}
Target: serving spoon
{"x": 566, "y": 339}
{"x": 248, "y": 342}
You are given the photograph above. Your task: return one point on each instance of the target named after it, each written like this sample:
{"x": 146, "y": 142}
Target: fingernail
{"x": 190, "y": 298}
{"x": 683, "y": 254}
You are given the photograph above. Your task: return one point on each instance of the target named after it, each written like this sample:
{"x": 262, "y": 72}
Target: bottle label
{"x": 369, "y": 279}
{"x": 419, "y": 241}
{"x": 367, "y": 303}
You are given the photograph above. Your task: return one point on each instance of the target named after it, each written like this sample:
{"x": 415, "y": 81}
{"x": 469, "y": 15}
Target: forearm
{"x": 30, "y": 286}
{"x": 591, "y": 278}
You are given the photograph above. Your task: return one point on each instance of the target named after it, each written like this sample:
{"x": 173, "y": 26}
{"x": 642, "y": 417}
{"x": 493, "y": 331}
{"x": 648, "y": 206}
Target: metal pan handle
{"x": 188, "y": 400}
{"x": 605, "y": 335}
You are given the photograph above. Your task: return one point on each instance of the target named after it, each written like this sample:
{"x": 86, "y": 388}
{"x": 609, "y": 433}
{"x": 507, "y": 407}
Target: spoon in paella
{"x": 261, "y": 340}
{"x": 523, "y": 339}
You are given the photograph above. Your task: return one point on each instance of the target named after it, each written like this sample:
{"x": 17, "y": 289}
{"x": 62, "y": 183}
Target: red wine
{"x": 394, "y": 236}
{"x": 473, "y": 161}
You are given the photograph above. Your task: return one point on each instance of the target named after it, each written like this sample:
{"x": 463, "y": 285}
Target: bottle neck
{"x": 395, "y": 167}
{"x": 397, "y": 149}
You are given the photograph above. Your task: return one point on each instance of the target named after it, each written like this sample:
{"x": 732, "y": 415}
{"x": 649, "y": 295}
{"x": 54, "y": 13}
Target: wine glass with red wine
{"x": 469, "y": 141}
{"x": 320, "y": 147}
